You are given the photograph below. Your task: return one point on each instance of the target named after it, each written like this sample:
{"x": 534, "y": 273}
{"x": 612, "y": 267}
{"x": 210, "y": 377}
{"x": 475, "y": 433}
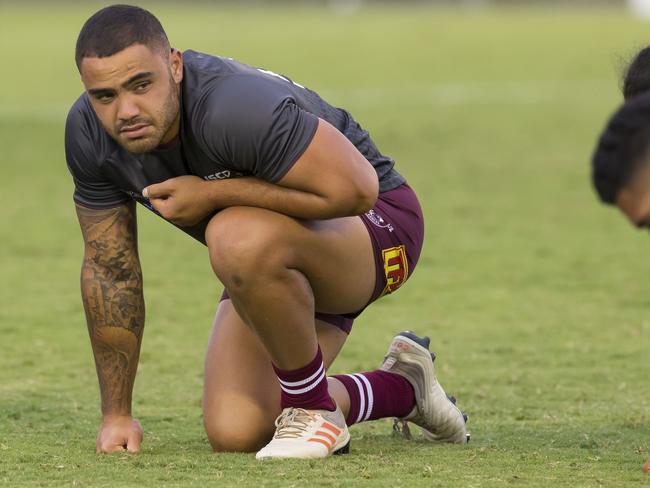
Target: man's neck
{"x": 172, "y": 133}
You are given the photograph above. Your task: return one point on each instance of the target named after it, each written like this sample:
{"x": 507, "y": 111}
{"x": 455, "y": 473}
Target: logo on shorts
{"x": 378, "y": 220}
{"x": 396, "y": 268}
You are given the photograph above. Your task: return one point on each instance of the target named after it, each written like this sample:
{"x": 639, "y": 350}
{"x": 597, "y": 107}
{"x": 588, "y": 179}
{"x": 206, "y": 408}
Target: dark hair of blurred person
{"x": 636, "y": 79}
{"x": 620, "y": 160}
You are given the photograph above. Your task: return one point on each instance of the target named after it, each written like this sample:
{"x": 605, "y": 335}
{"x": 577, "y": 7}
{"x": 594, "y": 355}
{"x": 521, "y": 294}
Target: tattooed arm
{"x": 111, "y": 289}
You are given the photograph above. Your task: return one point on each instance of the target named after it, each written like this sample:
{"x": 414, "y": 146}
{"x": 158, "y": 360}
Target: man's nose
{"x": 127, "y": 108}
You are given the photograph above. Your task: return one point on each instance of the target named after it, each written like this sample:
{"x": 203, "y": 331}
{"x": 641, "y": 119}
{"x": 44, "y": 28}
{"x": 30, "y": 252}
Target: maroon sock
{"x": 377, "y": 394}
{"x": 305, "y": 387}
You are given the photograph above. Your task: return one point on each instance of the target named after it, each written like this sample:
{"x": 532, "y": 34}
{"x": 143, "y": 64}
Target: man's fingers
{"x": 110, "y": 448}
{"x": 646, "y": 466}
{"x": 155, "y": 203}
{"x": 133, "y": 446}
{"x": 157, "y": 190}
{"x": 134, "y": 440}
{"x": 115, "y": 449}
{"x": 160, "y": 205}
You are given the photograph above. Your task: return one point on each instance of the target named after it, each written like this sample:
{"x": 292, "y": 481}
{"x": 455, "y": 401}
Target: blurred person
{"x": 616, "y": 161}
{"x": 621, "y": 161}
{"x": 305, "y": 222}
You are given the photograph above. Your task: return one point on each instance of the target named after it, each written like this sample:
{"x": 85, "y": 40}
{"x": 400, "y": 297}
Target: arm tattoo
{"x": 111, "y": 289}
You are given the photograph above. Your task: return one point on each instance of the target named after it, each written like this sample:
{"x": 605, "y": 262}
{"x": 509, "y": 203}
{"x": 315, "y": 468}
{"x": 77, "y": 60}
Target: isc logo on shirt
{"x": 396, "y": 268}
{"x": 223, "y": 175}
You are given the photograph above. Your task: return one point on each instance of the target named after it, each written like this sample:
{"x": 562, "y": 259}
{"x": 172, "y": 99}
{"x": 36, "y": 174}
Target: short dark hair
{"x": 114, "y": 28}
{"x": 637, "y": 75}
{"x": 622, "y": 148}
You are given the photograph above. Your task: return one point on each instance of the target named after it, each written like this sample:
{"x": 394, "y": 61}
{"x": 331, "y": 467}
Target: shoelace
{"x": 292, "y": 423}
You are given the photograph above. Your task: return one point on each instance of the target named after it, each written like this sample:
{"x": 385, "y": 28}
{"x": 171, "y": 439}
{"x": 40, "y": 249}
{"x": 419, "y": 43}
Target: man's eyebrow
{"x": 138, "y": 77}
{"x": 98, "y": 92}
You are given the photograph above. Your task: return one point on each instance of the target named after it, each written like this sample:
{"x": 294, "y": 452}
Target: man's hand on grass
{"x": 119, "y": 434}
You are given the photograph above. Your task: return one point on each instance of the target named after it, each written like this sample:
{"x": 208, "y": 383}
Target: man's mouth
{"x": 134, "y": 131}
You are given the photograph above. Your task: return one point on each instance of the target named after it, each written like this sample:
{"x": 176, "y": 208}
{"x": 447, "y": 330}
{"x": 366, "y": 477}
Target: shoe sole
{"x": 342, "y": 450}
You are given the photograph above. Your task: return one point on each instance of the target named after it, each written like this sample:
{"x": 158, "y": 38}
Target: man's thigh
{"x": 336, "y": 256}
{"x": 241, "y": 394}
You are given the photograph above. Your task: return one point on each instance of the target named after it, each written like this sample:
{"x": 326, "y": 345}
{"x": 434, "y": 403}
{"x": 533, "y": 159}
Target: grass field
{"x": 536, "y": 298}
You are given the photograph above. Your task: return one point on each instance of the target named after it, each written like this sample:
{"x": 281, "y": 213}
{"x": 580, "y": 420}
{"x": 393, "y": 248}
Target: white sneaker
{"x": 306, "y": 434}
{"x": 435, "y": 413}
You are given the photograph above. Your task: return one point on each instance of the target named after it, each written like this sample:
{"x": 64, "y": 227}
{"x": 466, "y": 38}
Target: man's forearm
{"x": 254, "y": 192}
{"x": 111, "y": 289}
{"x": 330, "y": 179}
{"x": 115, "y": 316}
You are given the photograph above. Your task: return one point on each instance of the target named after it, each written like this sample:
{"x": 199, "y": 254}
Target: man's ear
{"x": 176, "y": 64}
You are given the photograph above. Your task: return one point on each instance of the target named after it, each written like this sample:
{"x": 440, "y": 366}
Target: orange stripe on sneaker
{"x": 329, "y": 426}
{"x": 325, "y": 434}
{"x": 325, "y": 443}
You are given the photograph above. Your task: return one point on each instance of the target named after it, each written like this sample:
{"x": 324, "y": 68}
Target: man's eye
{"x": 104, "y": 98}
{"x": 142, "y": 86}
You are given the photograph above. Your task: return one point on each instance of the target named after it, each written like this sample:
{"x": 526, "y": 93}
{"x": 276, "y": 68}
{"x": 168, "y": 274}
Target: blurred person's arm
{"x": 111, "y": 289}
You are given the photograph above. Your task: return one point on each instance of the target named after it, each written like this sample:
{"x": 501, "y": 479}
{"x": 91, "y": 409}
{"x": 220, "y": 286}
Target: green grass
{"x": 536, "y": 297}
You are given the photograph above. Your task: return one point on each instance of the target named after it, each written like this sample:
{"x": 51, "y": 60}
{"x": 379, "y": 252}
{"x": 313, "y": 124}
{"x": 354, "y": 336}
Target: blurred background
{"x": 534, "y": 294}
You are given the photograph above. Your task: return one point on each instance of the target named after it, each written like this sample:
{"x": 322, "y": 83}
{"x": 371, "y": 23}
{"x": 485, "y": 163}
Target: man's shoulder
{"x": 84, "y": 133}
{"x": 79, "y": 114}
{"x": 209, "y": 78}
{"x": 204, "y": 65}
{"x": 81, "y": 118}
{"x": 202, "y": 72}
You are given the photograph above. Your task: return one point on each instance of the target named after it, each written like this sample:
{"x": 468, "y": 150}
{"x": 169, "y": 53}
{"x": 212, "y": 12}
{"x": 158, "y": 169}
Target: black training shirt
{"x": 235, "y": 121}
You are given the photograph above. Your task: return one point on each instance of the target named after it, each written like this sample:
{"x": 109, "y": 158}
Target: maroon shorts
{"x": 396, "y": 229}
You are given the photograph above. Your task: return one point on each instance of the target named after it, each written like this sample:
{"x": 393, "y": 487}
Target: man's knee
{"x": 234, "y": 431}
{"x": 244, "y": 243}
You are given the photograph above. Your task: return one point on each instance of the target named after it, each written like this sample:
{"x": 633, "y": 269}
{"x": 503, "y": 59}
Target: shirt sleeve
{"x": 254, "y": 125}
{"x": 92, "y": 189}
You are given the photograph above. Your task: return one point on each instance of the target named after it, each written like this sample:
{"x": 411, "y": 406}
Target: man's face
{"x": 135, "y": 95}
{"x": 634, "y": 199}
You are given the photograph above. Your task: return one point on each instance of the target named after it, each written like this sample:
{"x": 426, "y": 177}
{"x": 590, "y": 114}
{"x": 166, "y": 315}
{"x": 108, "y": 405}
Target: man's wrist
{"x": 215, "y": 191}
{"x": 108, "y": 417}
